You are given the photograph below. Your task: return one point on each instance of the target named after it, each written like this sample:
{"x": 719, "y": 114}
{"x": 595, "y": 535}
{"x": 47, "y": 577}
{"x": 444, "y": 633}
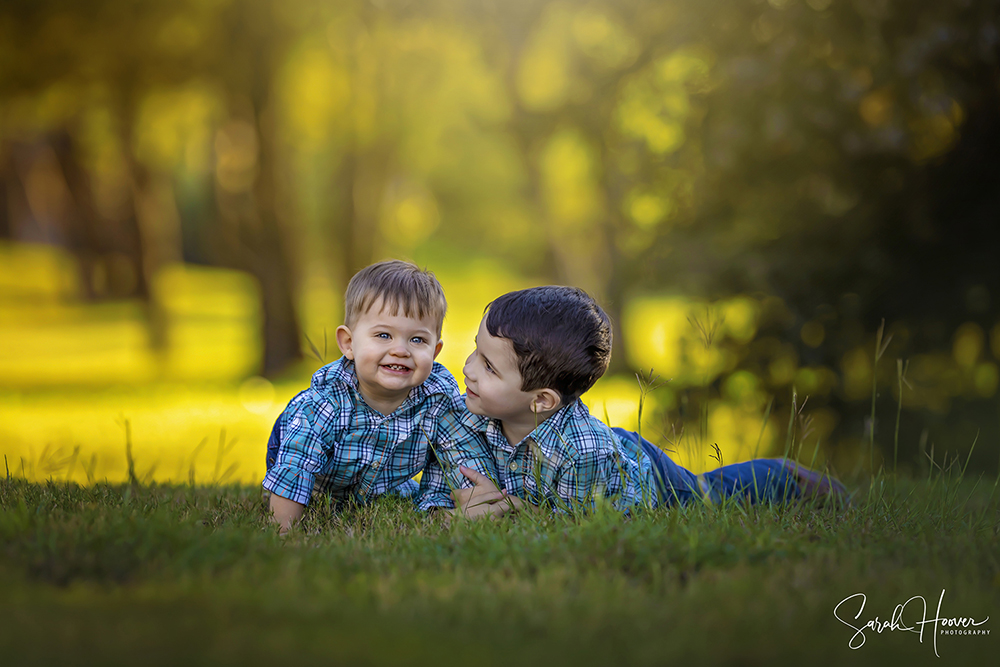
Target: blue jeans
{"x": 759, "y": 480}
{"x": 272, "y": 444}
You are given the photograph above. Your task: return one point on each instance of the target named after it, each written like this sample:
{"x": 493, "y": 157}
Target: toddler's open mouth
{"x": 396, "y": 368}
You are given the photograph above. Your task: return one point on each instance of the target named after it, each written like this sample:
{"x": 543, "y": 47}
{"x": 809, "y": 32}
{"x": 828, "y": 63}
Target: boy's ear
{"x": 345, "y": 341}
{"x": 437, "y": 348}
{"x": 545, "y": 400}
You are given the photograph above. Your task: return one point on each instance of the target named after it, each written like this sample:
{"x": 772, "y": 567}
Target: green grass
{"x": 133, "y": 574}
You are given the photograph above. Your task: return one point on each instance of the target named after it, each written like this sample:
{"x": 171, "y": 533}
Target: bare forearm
{"x": 285, "y": 512}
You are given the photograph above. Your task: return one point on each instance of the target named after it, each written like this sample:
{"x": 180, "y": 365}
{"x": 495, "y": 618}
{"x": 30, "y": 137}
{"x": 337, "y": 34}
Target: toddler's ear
{"x": 345, "y": 341}
{"x": 437, "y": 348}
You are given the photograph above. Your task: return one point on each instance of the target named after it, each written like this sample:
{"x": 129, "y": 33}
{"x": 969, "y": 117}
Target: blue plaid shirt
{"x": 329, "y": 440}
{"x": 567, "y": 462}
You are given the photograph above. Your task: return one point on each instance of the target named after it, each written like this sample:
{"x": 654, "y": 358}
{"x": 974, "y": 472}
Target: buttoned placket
{"x": 378, "y": 451}
{"x": 525, "y": 467}
{"x": 381, "y": 444}
{"x": 517, "y": 470}
{"x": 536, "y": 455}
{"x": 498, "y": 440}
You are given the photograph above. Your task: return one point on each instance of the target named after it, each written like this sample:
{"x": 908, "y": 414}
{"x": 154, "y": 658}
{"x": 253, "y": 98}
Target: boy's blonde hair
{"x": 400, "y": 285}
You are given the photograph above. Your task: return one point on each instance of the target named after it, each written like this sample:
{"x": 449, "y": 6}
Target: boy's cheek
{"x": 473, "y": 406}
{"x": 417, "y": 381}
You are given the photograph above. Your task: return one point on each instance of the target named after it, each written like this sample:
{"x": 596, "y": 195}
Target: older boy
{"x": 364, "y": 425}
{"x": 537, "y": 351}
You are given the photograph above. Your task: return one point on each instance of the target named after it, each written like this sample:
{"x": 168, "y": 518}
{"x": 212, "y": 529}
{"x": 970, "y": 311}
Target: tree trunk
{"x": 273, "y": 266}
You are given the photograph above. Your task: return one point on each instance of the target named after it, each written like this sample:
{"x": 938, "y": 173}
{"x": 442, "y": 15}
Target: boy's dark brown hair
{"x": 561, "y": 337}
{"x": 401, "y": 286}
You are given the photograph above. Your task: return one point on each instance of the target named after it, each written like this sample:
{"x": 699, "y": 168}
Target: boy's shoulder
{"x": 440, "y": 382}
{"x": 581, "y": 433}
{"x": 338, "y": 375}
{"x": 330, "y": 389}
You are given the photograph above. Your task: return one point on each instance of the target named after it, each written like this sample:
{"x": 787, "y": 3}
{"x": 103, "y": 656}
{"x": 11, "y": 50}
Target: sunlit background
{"x": 748, "y": 187}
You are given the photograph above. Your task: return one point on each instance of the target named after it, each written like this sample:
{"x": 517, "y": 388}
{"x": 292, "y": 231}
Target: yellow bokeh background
{"x": 72, "y": 374}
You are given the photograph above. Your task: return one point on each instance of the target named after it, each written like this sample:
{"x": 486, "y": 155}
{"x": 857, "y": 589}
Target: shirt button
{"x": 376, "y": 464}
{"x": 513, "y": 466}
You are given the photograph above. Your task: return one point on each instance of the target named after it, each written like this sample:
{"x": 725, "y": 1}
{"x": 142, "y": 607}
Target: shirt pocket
{"x": 347, "y": 466}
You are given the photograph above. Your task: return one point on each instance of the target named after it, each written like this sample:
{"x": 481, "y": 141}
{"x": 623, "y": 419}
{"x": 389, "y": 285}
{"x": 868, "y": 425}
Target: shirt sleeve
{"x": 302, "y": 453}
{"x": 453, "y": 444}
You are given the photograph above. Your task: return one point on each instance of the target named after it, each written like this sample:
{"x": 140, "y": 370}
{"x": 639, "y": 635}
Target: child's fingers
{"x": 474, "y": 476}
{"x": 461, "y": 496}
{"x": 509, "y": 504}
{"x": 486, "y": 498}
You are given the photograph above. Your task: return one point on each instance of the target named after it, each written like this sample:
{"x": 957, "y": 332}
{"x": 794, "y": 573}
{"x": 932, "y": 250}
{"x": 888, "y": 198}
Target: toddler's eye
{"x": 383, "y": 335}
{"x": 489, "y": 368}
{"x": 417, "y": 339}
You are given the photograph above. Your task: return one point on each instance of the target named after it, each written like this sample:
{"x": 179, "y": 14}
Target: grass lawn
{"x": 133, "y": 574}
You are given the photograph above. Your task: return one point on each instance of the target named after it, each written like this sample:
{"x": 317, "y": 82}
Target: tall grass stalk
{"x": 763, "y": 426}
{"x": 791, "y": 423}
{"x": 647, "y": 384}
{"x": 901, "y": 379}
{"x": 224, "y": 449}
{"x": 132, "y": 478}
{"x": 319, "y": 356}
{"x": 880, "y": 347}
{"x": 71, "y": 463}
{"x": 194, "y": 456}
{"x": 707, "y": 330}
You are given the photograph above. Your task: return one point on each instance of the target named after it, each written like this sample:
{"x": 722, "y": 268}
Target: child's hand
{"x": 483, "y": 499}
{"x": 480, "y": 482}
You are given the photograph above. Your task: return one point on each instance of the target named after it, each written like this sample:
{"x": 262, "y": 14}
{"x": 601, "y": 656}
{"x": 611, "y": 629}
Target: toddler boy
{"x": 537, "y": 351}
{"x": 364, "y": 425}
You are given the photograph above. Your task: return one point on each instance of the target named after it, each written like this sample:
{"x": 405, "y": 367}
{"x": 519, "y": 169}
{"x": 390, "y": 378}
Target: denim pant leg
{"x": 272, "y": 444}
{"x": 675, "y": 485}
{"x": 759, "y": 480}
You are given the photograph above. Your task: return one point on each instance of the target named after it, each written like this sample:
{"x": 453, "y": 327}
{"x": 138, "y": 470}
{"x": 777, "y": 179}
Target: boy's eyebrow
{"x": 489, "y": 363}
{"x": 383, "y": 325}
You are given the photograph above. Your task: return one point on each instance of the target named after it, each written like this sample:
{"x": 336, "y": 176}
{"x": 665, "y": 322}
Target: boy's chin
{"x": 399, "y": 385}
{"x": 474, "y": 407}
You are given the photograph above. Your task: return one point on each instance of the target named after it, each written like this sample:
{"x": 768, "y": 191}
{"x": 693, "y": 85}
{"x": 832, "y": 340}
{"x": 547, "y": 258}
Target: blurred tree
{"x": 252, "y": 41}
{"x": 742, "y": 147}
{"x": 114, "y": 54}
{"x": 809, "y": 149}
{"x": 589, "y": 83}
{"x": 63, "y": 61}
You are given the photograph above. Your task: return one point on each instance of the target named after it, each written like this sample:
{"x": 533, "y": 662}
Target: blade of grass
{"x": 791, "y": 425}
{"x": 763, "y": 426}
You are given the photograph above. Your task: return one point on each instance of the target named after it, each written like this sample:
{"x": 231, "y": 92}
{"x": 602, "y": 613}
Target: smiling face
{"x": 391, "y": 353}
{"x": 493, "y": 386}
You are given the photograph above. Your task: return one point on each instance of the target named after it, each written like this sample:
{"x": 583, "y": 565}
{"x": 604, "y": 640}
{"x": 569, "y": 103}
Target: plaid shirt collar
{"x": 343, "y": 372}
{"x": 549, "y": 435}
